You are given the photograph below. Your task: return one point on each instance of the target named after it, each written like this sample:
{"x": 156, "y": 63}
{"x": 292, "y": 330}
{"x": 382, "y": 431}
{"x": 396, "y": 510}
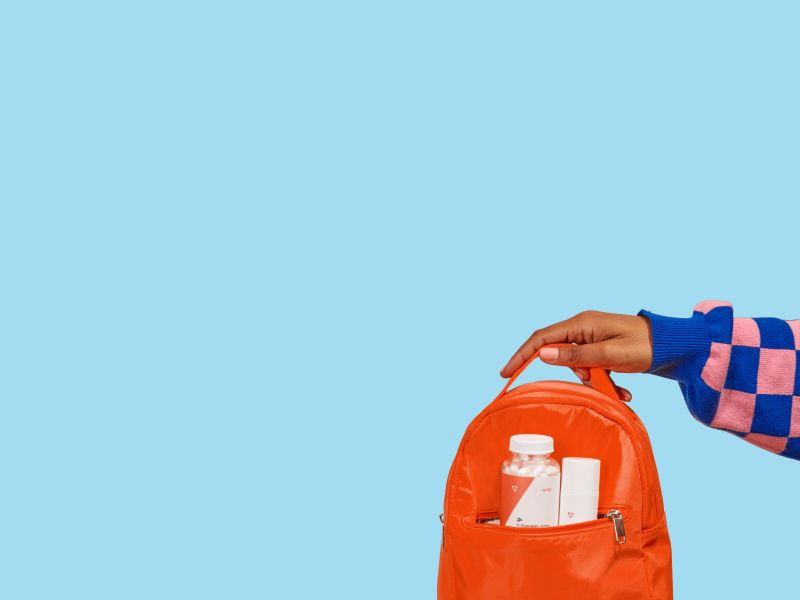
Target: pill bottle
{"x": 530, "y": 483}
{"x": 580, "y": 487}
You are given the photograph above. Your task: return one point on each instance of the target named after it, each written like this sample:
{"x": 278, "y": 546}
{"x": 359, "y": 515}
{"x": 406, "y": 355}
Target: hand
{"x": 616, "y": 342}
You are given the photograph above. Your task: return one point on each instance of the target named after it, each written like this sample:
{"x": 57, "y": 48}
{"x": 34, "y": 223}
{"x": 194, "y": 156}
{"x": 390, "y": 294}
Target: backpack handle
{"x": 599, "y": 379}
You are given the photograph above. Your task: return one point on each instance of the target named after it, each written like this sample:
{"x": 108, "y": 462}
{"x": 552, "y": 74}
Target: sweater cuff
{"x": 676, "y": 340}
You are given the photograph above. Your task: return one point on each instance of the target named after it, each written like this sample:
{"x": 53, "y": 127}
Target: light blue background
{"x": 261, "y": 263}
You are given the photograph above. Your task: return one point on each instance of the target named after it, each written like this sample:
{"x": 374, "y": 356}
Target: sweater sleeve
{"x": 736, "y": 374}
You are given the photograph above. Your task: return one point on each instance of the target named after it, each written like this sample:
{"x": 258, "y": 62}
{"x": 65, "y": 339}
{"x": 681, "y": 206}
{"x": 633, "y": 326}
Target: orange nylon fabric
{"x": 483, "y": 561}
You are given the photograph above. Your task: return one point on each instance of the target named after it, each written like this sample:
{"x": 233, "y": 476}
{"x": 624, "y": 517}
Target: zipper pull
{"x": 619, "y": 525}
{"x": 441, "y": 518}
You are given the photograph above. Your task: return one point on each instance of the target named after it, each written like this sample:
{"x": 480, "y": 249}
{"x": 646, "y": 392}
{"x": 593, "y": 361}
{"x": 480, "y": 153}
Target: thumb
{"x": 600, "y": 354}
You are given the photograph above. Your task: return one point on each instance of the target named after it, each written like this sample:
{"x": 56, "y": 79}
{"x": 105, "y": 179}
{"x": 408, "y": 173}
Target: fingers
{"x": 582, "y": 373}
{"x": 602, "y": 354}
{"x": 531, "y": 345}
{"x": 575, "y": 329}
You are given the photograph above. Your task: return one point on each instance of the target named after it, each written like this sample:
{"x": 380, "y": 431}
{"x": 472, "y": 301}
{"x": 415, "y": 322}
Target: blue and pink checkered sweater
{"x": 738, "y": 375}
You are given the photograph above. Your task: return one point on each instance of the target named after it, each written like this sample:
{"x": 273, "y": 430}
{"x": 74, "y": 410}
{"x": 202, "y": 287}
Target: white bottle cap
{"x": 580, "y": 475}
{"x": 530, "y": 443}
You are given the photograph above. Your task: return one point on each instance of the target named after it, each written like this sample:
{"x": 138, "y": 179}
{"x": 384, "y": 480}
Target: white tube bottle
{"x": 529, "y": 483}
{"x": 580, "y": 490}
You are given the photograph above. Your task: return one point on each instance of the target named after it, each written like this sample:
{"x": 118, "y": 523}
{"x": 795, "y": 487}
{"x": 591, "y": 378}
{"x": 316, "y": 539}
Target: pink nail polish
{"x": 548, "y": 354}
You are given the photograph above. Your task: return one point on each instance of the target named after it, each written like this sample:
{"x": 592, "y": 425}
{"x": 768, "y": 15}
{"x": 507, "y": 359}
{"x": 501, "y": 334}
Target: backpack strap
{"x": 599, "y": 379}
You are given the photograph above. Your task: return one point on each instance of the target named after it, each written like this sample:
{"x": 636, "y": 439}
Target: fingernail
{"x": 548, "y": 354}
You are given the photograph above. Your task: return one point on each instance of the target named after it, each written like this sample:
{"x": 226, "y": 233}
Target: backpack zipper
{"x": 619, "y": 525}
{"x": 614, "y": 515}
{"x": 441, "y": 518}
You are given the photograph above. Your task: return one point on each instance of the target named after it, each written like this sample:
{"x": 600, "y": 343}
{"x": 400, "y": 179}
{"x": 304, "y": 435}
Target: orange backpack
{"x": 594, "y": 560}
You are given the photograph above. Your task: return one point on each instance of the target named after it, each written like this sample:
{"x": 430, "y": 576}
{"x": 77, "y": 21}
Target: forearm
{"x": 736, "y": 374}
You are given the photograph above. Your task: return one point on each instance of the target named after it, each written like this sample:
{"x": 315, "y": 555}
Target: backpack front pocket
{"x": 566, "y": 562}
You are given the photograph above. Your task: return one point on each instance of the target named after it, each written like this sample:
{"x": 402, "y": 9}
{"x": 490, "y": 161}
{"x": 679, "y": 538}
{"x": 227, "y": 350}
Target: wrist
{"x": 675, "y": 340}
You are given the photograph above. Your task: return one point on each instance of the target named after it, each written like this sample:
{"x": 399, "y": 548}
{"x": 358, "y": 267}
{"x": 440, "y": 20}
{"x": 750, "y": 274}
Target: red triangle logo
{"x": 517, "y": 486}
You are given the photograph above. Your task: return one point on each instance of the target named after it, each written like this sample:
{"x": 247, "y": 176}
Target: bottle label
{"x": 577, "y": 508}
{"x": 529, "y": 501}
